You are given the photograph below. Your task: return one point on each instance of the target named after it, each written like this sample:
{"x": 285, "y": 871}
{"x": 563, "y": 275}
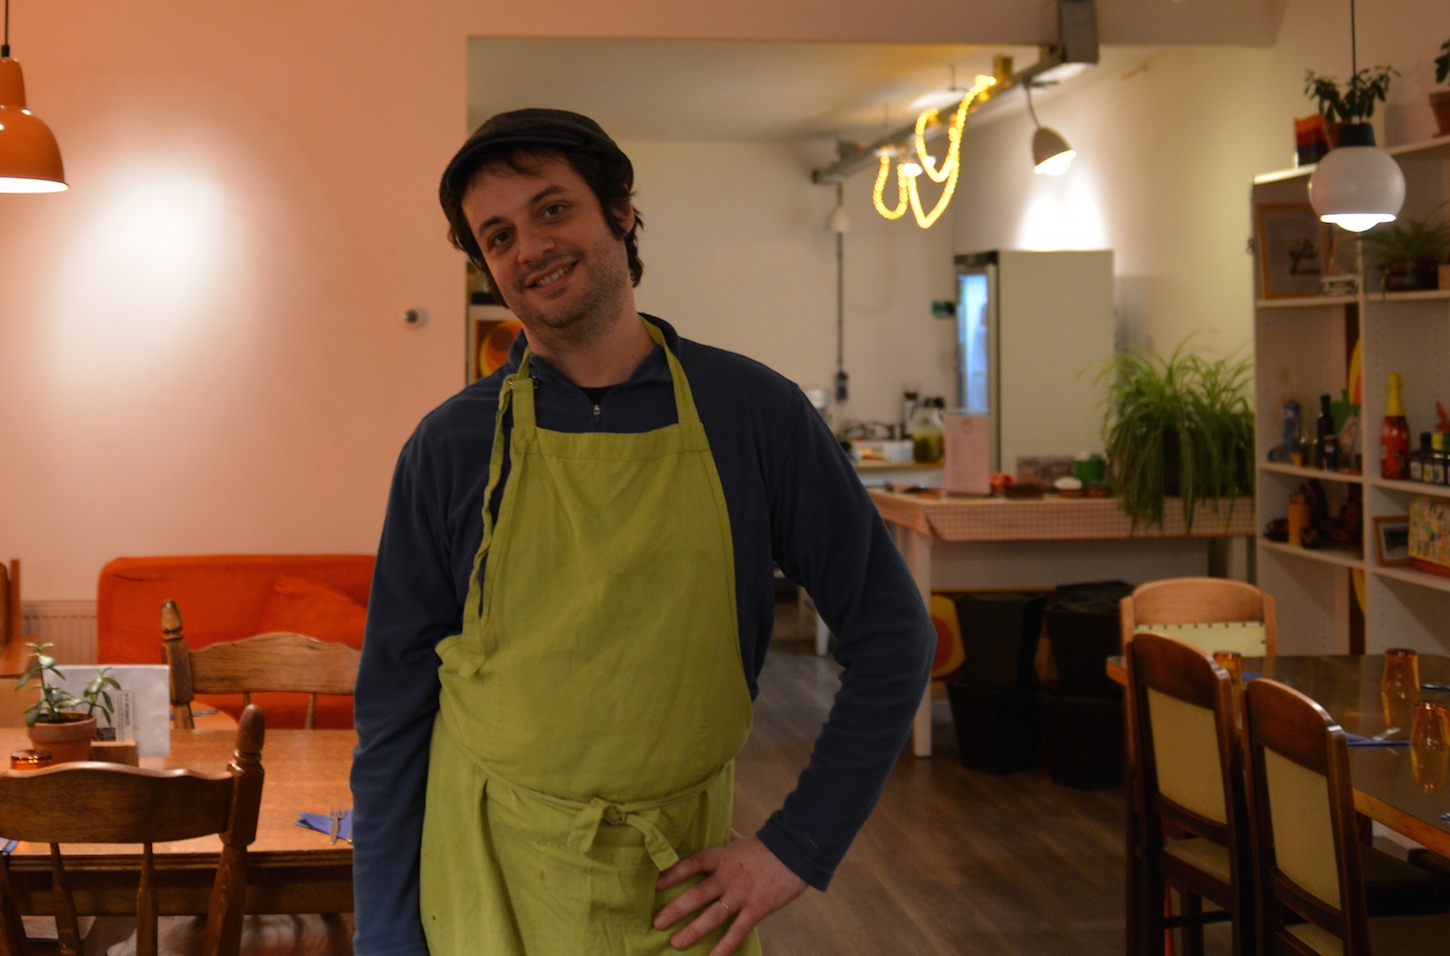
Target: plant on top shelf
{"x": 1355, "y": 103}
{"x": 1407, "y": 254}
{"x": 1177, "y": 427}
{"x": 1440, "y": 99}
{"x": 56, "y": 705}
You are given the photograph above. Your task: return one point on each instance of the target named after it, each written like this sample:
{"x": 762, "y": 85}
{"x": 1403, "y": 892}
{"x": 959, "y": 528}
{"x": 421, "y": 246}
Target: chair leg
{"x": 1192, "y": 934}
{"x": 1155, "y": 939}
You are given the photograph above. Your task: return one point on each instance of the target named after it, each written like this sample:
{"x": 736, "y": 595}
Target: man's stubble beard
{"x": 605, "y": 271}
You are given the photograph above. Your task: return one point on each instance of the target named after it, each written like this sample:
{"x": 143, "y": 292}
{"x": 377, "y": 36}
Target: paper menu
{"x": 968, "y": 466}
{"x": 142, "y": 705}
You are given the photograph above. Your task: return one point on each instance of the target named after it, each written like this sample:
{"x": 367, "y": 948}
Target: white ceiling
{"x": 720, "y": 90}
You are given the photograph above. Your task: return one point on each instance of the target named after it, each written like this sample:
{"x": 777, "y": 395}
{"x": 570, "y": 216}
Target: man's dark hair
{"x": 517, "y": 140}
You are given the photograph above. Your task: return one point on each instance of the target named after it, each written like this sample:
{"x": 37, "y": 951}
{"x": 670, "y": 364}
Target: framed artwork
{"x": 1392, "y": 541}
{"x": 1290, "y": 242}
{"x": 491, "y": 332}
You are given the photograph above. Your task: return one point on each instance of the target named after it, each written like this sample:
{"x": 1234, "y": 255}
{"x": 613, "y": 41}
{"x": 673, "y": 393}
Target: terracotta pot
{"x": 1440, "y": 103}
{"x": 67, "y": 742}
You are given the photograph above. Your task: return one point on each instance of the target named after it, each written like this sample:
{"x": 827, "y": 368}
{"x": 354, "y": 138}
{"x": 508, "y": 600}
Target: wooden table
{"x": 1001, "y": 543}
{"x": 1384, "y": 781}
{"x": 290, "y": 869}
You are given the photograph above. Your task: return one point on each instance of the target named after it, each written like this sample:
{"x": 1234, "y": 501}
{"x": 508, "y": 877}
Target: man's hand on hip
{"x": 744, "y": 884}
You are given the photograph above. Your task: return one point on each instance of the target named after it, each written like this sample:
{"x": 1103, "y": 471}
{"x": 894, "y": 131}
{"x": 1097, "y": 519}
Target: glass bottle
{"x": 1328, "y": 438}
{"x": 1419, "y": 457}
{"x": 1395, "y": 434}
{"x": 1439, "y": 461}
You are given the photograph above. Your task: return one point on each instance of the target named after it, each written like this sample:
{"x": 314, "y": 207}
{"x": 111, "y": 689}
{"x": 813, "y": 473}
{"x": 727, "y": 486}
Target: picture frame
{"x": 1290, "y": 241}
{"x": 1392, "y": 541}
{"x": 491, "y": 331}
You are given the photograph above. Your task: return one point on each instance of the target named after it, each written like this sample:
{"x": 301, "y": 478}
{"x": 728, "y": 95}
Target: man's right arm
{"x": 413, "y": 605}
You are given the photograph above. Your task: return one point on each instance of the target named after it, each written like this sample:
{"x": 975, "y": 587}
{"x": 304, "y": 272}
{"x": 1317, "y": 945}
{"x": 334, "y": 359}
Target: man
{"x": 574, "y": 597}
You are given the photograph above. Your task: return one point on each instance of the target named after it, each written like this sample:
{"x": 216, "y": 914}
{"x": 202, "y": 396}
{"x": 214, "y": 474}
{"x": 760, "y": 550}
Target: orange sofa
{"x": 230, "y": 597}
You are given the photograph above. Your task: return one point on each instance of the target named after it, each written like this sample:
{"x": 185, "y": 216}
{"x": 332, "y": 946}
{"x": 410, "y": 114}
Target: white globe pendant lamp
{"x": 1357, "y": 186}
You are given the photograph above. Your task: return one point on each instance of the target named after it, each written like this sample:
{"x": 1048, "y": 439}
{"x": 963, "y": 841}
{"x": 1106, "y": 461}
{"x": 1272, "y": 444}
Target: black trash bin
{"x": 1083, "y": 629}
{"x": 996, "y": 727}
{"x": 1083, "y": 740}
{"x": 1000, "y": 631}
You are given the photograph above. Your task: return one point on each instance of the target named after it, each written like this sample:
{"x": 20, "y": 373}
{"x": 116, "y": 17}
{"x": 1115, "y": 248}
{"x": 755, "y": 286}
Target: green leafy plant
{"x": 1180, "y": 426}
{"x": 1356, "y": 101}
{"x": 1406, "y": 240}
{"x": 1442, "y": 63}
{"x": 56, "y": 705}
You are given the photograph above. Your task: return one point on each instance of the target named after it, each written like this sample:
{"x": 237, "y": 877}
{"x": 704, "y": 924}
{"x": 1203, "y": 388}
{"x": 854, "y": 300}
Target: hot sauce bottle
{"x": 1395, "y": 434}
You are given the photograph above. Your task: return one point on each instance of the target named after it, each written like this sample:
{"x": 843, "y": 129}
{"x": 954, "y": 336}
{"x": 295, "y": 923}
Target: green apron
{"x": 592, "y": 708}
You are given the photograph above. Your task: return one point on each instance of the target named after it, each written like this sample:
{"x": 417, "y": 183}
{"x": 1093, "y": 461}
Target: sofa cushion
{"x": 306, "y": 607}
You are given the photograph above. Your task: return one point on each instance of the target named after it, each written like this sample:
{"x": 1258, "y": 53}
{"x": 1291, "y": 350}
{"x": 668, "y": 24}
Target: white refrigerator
{"x": 1034, "y": 330}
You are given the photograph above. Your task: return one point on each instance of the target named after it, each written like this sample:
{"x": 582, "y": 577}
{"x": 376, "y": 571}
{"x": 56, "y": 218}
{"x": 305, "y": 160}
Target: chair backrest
{"x": 278, "y": 661}
{"x": 1186, "y": 728}
{"x": 113, "y": 803}
{"x": 1302, "y": 820}
{"x": 1187, "y": 608}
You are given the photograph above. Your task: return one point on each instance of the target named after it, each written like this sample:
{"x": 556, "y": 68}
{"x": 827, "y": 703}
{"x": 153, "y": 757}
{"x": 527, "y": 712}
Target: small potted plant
{"x": 1355, "y": 103}
{"x": 1407, "y": 254}
{"x": 1440, "y": 99}
{"x": 56, "y": 721}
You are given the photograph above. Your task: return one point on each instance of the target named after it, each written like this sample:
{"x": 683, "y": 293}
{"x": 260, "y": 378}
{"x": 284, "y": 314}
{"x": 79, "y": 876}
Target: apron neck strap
{"x": 523, "y": 386}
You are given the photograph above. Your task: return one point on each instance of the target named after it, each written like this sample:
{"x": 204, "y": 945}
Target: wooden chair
{"x": 277, "y": 661}
{"x": 1180, "y": 606}
{"x": 1186, "y": 729}
{"x": 1306, "y": 840}
{"x": 111, "y": 803}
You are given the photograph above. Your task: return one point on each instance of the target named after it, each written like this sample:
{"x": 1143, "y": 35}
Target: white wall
{"x": 737, "y": 255}
{"x": 1168, "y": 142}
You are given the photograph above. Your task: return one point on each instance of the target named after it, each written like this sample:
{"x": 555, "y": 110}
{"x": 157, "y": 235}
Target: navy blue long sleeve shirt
{"x": 793, "y": 500}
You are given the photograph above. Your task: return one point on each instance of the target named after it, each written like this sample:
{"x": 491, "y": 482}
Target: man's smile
{"x": 551, "y": 278}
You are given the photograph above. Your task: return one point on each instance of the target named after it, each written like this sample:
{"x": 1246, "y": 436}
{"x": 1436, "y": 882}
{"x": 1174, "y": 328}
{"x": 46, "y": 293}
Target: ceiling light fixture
{"x": 29, "y": 156}
{"x": 1050, "y": 153}
{"x": 909, "y": 171}
{"x": 1357, "y": 185}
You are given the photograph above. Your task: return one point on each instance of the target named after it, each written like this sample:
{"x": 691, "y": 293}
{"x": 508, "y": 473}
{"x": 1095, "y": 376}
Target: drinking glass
{"x": 1233, "y": 662}
{"x": 1430, "y": 744}
{"x": 30, "y": 760}
{"x": 1400, "y": 687}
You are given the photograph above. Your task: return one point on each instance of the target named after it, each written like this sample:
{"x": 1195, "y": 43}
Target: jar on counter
{"x": 926, "y": 431}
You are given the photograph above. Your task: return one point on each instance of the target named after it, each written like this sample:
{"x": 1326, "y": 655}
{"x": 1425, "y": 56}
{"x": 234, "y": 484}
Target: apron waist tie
{"x": 586, "y": 826}
{"x": 588, "y": 817}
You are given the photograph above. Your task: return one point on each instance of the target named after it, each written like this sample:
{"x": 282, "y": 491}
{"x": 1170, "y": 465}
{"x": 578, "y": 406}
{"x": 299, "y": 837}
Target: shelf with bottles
{"x": 1298, "y": 471}
{"x": 1342, "y": 557}
{"x": 1411, "y": 487}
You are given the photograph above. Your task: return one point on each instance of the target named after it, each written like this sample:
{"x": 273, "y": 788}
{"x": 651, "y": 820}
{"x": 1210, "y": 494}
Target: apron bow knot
{"x": 586, "y": 827}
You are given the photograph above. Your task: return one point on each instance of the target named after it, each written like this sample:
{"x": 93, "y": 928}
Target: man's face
{"x": 553, "y": 257}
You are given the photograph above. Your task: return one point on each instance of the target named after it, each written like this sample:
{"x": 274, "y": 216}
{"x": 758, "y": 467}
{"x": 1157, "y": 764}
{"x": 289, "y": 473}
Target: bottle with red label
{"x": 1395, "y": 434}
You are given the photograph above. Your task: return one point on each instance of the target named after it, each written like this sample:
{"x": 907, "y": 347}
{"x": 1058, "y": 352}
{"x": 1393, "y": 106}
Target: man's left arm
{"x": 829, "y": 537}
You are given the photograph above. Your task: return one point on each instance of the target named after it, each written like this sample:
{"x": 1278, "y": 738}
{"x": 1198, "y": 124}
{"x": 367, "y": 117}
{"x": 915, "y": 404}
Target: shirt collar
{"x": 653, "y": 370}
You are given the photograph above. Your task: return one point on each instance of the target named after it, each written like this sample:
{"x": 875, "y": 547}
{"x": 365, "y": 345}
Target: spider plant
{"x": 1179, "y": 426}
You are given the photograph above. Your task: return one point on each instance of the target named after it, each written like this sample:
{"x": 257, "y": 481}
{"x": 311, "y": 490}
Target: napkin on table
{"x": 322, "y": 823}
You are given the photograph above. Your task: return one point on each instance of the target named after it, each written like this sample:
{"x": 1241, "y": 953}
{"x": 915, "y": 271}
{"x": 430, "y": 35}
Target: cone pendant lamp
{"x": 29, "y": 156}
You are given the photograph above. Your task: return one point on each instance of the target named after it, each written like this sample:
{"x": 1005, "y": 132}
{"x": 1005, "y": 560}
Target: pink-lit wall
{"x": 199, "y": 344}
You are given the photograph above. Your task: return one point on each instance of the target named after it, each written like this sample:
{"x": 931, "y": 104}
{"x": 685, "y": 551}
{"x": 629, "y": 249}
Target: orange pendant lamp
{"x": 29, "y": 156}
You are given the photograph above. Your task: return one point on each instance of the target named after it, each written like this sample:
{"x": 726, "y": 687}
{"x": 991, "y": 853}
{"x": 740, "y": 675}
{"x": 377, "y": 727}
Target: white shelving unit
{"x": 1301, "y": 352}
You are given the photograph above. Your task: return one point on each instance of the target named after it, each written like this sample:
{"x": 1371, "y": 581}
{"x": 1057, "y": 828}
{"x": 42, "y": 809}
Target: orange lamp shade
{"x": 29, "y": 155}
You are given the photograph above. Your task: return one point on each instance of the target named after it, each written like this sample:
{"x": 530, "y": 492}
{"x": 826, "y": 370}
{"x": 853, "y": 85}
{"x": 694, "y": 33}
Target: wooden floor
{"x": 952, "y": 861}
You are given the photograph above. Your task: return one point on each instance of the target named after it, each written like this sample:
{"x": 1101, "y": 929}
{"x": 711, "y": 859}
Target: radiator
{"x": 69, "y": 625}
